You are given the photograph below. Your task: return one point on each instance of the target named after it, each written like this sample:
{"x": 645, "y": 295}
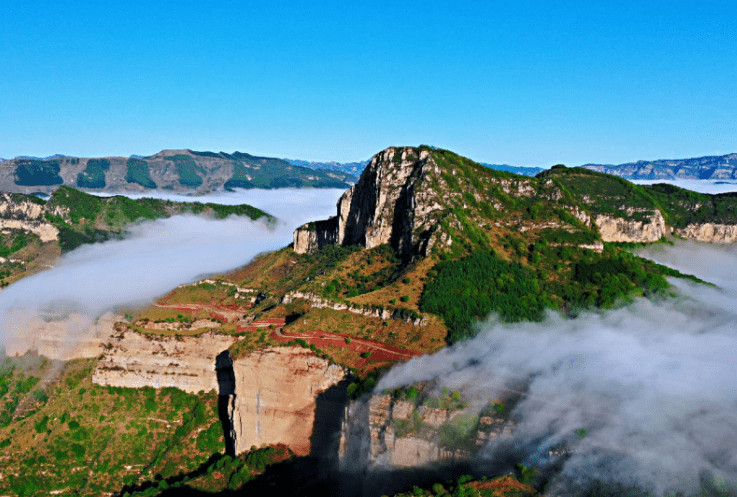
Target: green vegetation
{"x": 473, "y": 287}
{"x": 94, "y": 219}
{"x": 239, "y": 179}
{"x": 138, "y": 172}
{"x": 604, "y": 193}
{"x": 468, "y": 486}
{"x": 98, "y": 440}
{"x": 683, "y": 207}
{"x": 93, "y": 175}
{"x": 187, "y": 169}
{"x": 38, "y": 173}
{"x": 17, "y": 240}
{"x": 459, "y": 433}
{"x": 219, "y": 474}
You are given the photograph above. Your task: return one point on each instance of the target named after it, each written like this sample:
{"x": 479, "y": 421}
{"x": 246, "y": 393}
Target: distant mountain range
{"x": 187, "y": 170}
{"x": 714, "y": 167}
{"x": 521, "y": 170}
{"x": 352, "y": 168}
{"x": 176, "y": 170}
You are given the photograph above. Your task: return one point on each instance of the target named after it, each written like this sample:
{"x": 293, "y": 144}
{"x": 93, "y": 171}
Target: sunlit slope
{"x": 503, "y": 244}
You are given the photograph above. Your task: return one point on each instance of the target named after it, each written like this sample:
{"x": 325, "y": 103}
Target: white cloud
{"x": 654, "y": 384}
{"x": 156, "y": 257}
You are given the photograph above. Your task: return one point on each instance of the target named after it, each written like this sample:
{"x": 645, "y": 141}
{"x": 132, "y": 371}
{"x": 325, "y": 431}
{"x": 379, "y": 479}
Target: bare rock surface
{"x": 275, "y": 397}
{"x": 618, "y": 229}
{"x": 136, "y": 360}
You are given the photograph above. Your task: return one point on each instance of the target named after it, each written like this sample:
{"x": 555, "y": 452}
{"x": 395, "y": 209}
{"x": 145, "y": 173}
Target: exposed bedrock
{"x": 618, "y": 229}
{"x": 286, "y": 395}
{"x": 189, "y": 363}
{"x": 387, "y": 205}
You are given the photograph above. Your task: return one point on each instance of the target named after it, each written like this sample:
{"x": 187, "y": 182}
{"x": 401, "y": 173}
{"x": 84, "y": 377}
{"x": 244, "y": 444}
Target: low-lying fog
{"x": 698, "y": 185}
{"x": 158, "y": 256}
{"x": 654, "y": 384}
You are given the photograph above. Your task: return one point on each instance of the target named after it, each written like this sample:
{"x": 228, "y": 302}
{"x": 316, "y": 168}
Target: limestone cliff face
{"x": 189, "y": 363}
{"x": 75, "y": 337}
{"x": 277, "y": 390}
{"x": 618, "y": 229}
{"x": 709, "y": 232}
{"x": 396, "y": 433}
{"x": 312, "y": 236}
{"x": 387, "y": 205}
{"x": 26, "y": 215}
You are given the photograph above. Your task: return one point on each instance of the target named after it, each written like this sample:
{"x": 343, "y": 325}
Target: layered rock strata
{"x": 709, "y": 232}
{"x": 380, "y": 313}
{"x": 277, "y": 390}
{"x": 618, "y": 229}
{"x": 189, "y": 363}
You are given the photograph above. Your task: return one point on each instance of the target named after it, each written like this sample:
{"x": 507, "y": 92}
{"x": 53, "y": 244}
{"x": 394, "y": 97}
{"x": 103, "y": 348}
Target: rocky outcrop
{"x": 189, "y": 363}
{"x": 19, "y": 213}
{"x": 399, "y": 314}
{"x": 398, "y": 433}
{"x": 312, "y": 236}
{"x": 620, "y": 229}
{"x": 277, "y": 391}
{"x": 387, "y": 205}
{"x": 709, "y": 232}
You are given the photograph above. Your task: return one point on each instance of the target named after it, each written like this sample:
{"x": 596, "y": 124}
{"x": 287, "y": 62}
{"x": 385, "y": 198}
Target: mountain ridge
{"x": 712, "y": 167}
{"x": 180, "y": 170}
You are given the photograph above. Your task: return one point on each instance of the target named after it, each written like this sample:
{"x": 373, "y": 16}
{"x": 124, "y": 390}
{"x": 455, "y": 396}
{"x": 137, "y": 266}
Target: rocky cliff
{"x": 273, "y": 395}
{"x": 19, "y": 212}
{"x": 387, "y": 205}
{"x": 620, "y": 229}
{"x": 389, "y": 432}
{"x": 190, "y": 363}
{"x": 417, "y": 198}
{"x": 277, "y": 393}
{"x": 709, "y": 232}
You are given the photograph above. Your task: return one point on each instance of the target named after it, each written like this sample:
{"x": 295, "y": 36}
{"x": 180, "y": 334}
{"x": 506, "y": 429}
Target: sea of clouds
{"x": 115, "y": 276}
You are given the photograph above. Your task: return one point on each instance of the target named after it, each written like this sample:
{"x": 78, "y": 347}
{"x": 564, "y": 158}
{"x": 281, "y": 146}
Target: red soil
{"x": 380, "y": 352}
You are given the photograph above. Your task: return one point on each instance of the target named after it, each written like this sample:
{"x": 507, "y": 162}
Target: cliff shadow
{"x": 326, "y": 429}
{"x": 226, "y": 396}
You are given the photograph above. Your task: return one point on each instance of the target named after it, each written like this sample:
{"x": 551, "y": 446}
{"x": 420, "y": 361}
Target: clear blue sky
{"x": 522, "y": 83}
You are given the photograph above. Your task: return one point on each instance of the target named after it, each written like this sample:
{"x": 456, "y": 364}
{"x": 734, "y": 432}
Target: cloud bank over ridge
{"x": 156, "y": 257}
{"x": 653, "y": 384}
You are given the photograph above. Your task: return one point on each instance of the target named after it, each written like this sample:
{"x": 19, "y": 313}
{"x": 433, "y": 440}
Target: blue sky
{"x": 522, "y": 83}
